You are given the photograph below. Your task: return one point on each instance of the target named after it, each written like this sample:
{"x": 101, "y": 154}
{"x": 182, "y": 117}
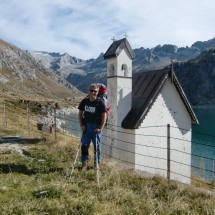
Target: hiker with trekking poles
{"x": 92, "y": 118}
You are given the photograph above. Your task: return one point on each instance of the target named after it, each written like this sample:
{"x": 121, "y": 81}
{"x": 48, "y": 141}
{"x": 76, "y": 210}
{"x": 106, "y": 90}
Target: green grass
{"x": 35, "y": 183}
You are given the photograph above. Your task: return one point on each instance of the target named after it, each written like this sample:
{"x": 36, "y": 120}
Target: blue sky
{"x": 84, "y": 28}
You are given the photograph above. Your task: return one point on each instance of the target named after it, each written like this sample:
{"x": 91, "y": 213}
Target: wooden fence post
{"x": 168, "y": 151}
{"x": 5, "y": 115}
{"x": 55, "y": 126}
{"x": 27, "y": 119}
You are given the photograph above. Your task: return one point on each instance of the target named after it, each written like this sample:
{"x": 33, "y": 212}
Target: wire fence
{"x": 202, "y": 153}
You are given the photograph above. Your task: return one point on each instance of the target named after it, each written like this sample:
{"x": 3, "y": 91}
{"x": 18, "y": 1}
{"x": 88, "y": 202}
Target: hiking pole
{"x": 73, "y": 166}
{"x": 97, "y": 163}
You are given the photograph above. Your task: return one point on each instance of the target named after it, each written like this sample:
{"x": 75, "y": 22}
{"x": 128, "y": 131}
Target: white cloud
{"x": 84, "y": 28}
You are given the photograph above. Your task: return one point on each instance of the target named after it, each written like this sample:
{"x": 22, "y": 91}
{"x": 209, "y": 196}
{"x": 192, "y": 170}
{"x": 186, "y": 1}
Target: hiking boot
{"x": 84, "y": 166}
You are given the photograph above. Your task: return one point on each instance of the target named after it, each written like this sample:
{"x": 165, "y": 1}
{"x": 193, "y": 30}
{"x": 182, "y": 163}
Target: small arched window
{"x": 125, "y": 70}
{"x": 112, "y": 70}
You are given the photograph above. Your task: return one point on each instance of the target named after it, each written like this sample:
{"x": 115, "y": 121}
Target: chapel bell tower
{"x": 119, "y": 58}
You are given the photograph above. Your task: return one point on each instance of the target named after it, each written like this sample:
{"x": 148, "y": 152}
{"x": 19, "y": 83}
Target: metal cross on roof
{"x": 125, "y": 35}
{"x": 113, "y": 39}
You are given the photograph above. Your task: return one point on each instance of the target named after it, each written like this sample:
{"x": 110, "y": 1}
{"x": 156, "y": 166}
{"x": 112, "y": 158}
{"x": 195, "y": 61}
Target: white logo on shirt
{"x": 90, "y": 109}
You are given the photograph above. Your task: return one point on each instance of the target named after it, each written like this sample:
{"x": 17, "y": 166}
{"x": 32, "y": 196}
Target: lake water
{"x": 71, "y": 124}
{"x": 203, "y": 143}
{"x": 203, "y": 140}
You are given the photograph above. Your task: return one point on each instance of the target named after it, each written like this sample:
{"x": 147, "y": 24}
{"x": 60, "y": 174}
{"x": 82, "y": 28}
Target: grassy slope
{"x": 39, "y": 185}
{"x": 36, "y": 184}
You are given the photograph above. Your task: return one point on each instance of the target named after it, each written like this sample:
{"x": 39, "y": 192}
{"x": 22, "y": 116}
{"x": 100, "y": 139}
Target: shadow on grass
{"x": 14, "y": 168}
{"x": 15, "y": 139}
{"x": 11, "y": 168}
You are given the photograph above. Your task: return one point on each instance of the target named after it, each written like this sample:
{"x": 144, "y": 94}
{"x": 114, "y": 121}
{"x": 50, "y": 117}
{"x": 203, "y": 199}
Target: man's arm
{"x": 104, "y": 117}
{"x": 80, "y": 118}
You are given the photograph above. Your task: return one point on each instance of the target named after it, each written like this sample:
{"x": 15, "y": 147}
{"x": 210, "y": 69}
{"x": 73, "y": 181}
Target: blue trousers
{"x": 88, "y": 136}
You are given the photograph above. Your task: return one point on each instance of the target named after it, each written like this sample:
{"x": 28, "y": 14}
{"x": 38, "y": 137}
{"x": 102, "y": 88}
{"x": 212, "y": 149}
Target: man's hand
{"x": 83, "y": 128}
{"x": 96, "y": 130}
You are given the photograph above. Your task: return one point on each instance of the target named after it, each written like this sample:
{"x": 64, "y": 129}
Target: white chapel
{"x": 150, "y": 120}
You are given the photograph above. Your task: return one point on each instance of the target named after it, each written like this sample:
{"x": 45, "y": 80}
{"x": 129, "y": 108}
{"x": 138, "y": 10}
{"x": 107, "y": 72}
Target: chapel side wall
{"x": 151, "y": 138}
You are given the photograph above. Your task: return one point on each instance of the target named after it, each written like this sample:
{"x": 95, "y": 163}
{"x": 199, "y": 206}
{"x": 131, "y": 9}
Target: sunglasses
{"x": 93, "y": 91}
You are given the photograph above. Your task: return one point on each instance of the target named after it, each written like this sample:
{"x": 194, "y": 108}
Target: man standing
{"x": 92, "y": 118}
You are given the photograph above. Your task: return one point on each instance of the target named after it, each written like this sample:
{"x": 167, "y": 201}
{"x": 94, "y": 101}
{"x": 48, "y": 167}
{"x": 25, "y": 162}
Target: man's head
{"x": 93, "y": 92}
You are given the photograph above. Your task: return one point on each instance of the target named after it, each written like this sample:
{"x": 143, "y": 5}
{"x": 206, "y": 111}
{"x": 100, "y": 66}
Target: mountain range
{"x": 194, "y": 67}
{"x": 61, "y": 75}
{"x": 197, "y": 77}
{"x": 23, "y": 76}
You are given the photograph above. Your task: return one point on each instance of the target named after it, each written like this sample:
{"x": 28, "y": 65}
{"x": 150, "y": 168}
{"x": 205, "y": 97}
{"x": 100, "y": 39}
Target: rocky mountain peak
{"x": 168, "y": 49}
{"x": 194, "y": 66}
{"x": 197, "y": 77}
{"x": 21, "y": 74}
{"x": 204, "y": 45}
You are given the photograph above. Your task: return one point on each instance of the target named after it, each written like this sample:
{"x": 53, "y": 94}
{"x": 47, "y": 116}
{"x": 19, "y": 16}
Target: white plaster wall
{"x": 146, "y": 147}
{"x": 124, "y": 58}
{"x": 151, "y": 138}
{"x": 119, "y": 96}
{"x": 119, "y": 145}
{"x": 117, "y": 62}
{"x": 110, "y": 63}
{"x": 118, "y": 139}
{"x": 120, "y": 142}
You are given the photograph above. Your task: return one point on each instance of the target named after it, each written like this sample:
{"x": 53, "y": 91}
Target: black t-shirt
{"x": 92, "y": 110}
